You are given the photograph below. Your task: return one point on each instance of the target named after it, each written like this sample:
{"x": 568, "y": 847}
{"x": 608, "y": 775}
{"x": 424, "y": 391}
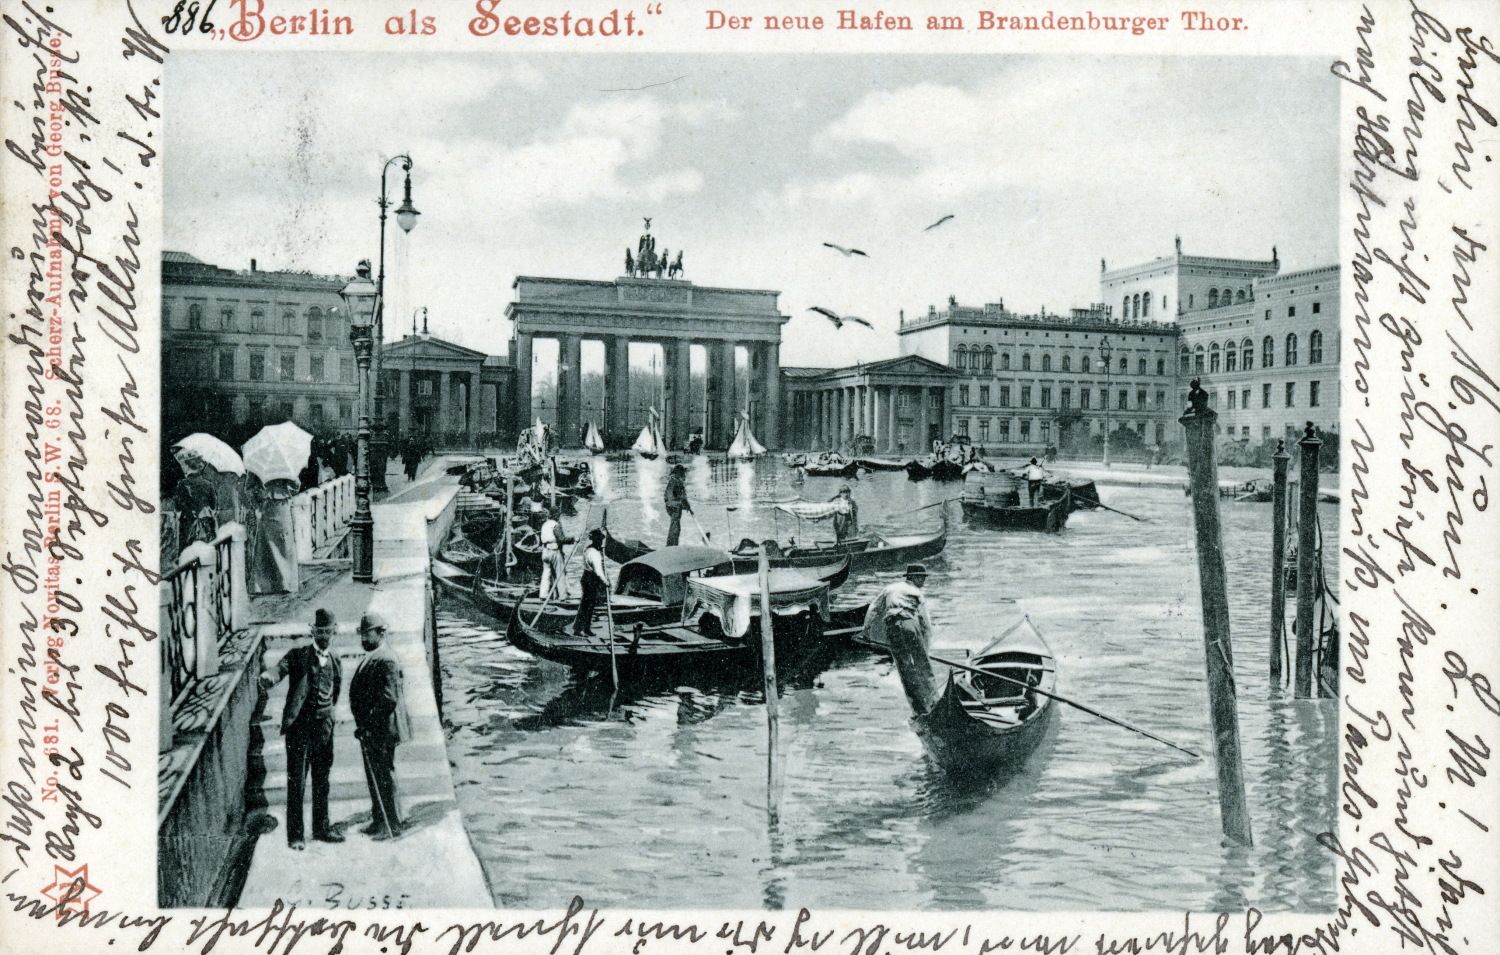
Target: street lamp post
{"x": 406, "y": 218}
{"x": 359, "y": 301}
{"x": 1105, "y": 351}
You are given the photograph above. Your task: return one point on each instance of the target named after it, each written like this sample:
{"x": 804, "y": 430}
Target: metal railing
{"x": 204, "y": 600}
{"x": 321, "y": 515}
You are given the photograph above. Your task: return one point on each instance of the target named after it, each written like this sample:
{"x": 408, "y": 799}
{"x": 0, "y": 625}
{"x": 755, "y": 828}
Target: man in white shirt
{"x": 898, "y": 621}
{"x": 595, "y": 586}
{"x": 554, "y": 583}
{"x": 1034, "y": 474}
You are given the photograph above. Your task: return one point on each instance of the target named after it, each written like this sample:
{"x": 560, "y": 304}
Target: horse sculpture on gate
{"x": 646, "y": 263}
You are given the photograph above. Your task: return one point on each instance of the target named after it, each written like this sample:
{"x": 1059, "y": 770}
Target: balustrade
{"x": 204, "y": 600}
{"x": 321, "y": 515}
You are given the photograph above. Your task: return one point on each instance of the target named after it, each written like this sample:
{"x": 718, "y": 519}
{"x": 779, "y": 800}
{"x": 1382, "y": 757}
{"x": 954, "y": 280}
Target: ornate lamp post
{"x": 406, "y": 218}
{"x": 359, "y": 301}
{"x": 1104, "y": 352}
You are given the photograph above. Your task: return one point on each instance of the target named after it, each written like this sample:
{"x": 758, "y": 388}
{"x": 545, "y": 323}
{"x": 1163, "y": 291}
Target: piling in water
{"x": 1278, "y": 561}
{"x": 1307, "y": 558}
{"x": 768, "y": 682}
{"x": 1223, "y": 712}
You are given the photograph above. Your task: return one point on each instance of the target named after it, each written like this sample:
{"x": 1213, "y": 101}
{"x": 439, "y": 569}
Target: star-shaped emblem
{"x": 72, "y": 890}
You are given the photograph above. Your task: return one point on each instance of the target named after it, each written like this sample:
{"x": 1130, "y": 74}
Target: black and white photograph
{"x": 750, "y": 482}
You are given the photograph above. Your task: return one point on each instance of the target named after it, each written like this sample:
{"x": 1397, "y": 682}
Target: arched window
{"x": 1084, "y": 363}
{"x": 1005, "y": 361}
{"x": 1125, "y": 307}
{"x": 1025, "y": 361}
{"x": 1225, "y": 297}
{"x": 1267, "y": 352}
{"x": 257, "y": 319}
{"x": 315, "y": 324}
{"x": 195, "y": 316}
{"x": 1161, "y": 366}
{"x": 1124, "y": 364}
{"x": 1315, "y": 348}
{"x": 1146, "y": 305}
{"x": 1140, "y": 367}
{"x": 989, "y": 358}
{"x": 1213, "y": 298}
{"x": 1135, "y": 305}
{"x": 1067, "y": 363}
{"x": 1046, "y": 362}
{"x": 960, "y": 357}
{"x": 1291, "y": 350}
{"x": 1184, "y": 360}
{"x": 1247, "y": 355}
{"x": 1198, "y": 360}
{"x": 288, "y": 322}
{"x": 1239, "y": 296}
{"x": 1231, "y": 357}
{"x": 1213, "y": 358}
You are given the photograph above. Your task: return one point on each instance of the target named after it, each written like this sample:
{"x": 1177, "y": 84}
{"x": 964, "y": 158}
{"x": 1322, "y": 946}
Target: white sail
{"x": 744, "y": 444}
{"x": 648, "y": 444}
{"x": 592, "y": 441}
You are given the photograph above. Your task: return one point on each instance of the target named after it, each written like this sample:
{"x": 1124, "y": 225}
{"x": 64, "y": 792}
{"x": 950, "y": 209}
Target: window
{"x": 257, "y": 411}
{"x": 1161, "y": 399}
{"x": 1005, "y": 396}
{"x": 1213, "y": 358}
{"x": 1025, "y": 396}
{"x": 1245, "y": 398}
{"x": 1067, "y": 363}
{"x": 1084, "y": 364}
{"x": 1239, "y": 296}
{"x": 1161, "y": 366}
{"x": 288, "y": 366}
{"x": 1125, "y": 307}
{"x": 1046, "y": 363}
{"x": 1067, "y": 398}
{"x": 984, "y": 429}
{"x": 1225, "y": 297}
{"x": 989, "y": 358}
{"x": 257, "y": 367}
{"x": 1190, "y": 299}
{"x": 1213, "y": 298}
{"x": 1083, "y": 397}
{"x": 1026, "y": 361}
{"x": 1312, "y": 393}
{"x": 1123, "y": 395}
{"x": 195, "y": 317}
{"x": 257, "y": 319}
{"x": 1140, "y": 367}
{"x": 1291, "y": 394}
{"x": 1103, "y": 398}
{"x": 1135, "y": 305}
{"x": 1317, "y": 307}
{"x": 963, "y": 394}
{"x": 1291, "y": 311}
{"x": 315, "y": 324}
{"x": 1146, "y": 305}
{"x": 346, "y": 412}
{"x": 226, "y": 365}
{"x": 1315, "y": 348}
{"x": 1290, "y": 358}
{"x": 1268, "y": 314}
{"x": 1265, "y": 432}
{"x": 315, "y": 413}
{"x": 1046, "y": 432}
{"x": 1005, "y": 431}
{"x": 1025, "y": 430}
{"x": 1245, "y": 432}
{"x": 1265, "y": 395}
{"x": 288, "y": 322}
{"x": 1247, "y": 354}
{"x": 1232, "y": 404}
{"x": 1005, "y": 361}
{"x": 1184, "y": 360}
{"x": 1267, "y": 352}
{"x": 1140, "y": 398}
{"x": 1046, "y": 397}
{"x": 960, "y": 357}
{"x": 424, "y": 388}
{"x": 1198, "y": 360}
{"x": 1230, "y": 356}
{"x": 315, "y": 367}
{"x": 346, "y": 370}
{"x": 962, "y": 424}
{"x": 984, "y": 396}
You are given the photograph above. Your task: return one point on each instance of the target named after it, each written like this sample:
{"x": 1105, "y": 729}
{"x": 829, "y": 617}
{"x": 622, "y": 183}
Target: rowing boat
{"x": 881, "y": 464}
{"x": 870, "y": 551}
{"x": 847, "y": 470}
{"x": 982, "y": 724}
{"x": 1003, "y": 511}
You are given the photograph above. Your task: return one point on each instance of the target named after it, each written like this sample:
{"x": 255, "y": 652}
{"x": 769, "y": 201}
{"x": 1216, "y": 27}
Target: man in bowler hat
{"x": 380, "y": 724}
{"x": 307, "y": 724}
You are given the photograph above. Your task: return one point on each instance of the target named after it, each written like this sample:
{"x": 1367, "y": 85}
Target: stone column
{"x": 889, "y": 443}
{"x": 771, "y": 395}
{"x": 403, "y": 404}
{"x": 617, "y": 391}
{"x": 681, "y": 369}
{"x": 445, "y": 410}
{"x": 844, "y": 404}
{"x": 521, "y": 360}
{"x": 487, "y": 407}
{"x": 923, "y": 442}
{"x": 868, "y": 408}
{"x": 569, "y": 398}
{"x": 729, "y": 403}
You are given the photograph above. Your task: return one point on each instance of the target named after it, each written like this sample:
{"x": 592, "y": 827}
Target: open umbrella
{"x": 198, "y": 451}
{"x": 277, "y": 451}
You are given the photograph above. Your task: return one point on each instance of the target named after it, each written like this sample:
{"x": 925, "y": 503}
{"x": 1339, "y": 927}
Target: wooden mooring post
{"x": 1307, "y": 561}
{"x": 1278, "y": 561}
{"x": 1223, "y": 711}
{"x": 768, "y": 682}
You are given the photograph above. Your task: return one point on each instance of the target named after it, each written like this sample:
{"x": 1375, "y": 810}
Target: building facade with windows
{"x": 1026, "y": 381}
{"x": 246, "y": 348}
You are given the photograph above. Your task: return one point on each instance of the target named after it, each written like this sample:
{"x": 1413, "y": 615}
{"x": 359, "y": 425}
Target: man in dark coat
{"x": 676, "y": 500}
{"x": 380, "y": 724}
{"x": 307, "y": 724}
{"x": 595, "y": 586}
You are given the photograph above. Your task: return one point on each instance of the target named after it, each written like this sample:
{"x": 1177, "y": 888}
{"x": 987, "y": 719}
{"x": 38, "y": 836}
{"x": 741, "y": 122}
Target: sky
{"x": 545, "y": 165}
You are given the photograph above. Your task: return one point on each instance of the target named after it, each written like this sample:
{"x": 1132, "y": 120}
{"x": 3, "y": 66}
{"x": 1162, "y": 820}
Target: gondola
{"x": 851, "y": 469}
{"x": 982, "y": 725}
{"x": 937, "y": 470}
{"x": 1003, "y": 511}
{"x": 870, "y": 551}
{"x": 1085, "y": 495}
{"x": 881, "y": 464}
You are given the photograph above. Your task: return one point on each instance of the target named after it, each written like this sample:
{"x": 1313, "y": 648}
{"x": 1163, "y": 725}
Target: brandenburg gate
{"x": 651, "y": 304}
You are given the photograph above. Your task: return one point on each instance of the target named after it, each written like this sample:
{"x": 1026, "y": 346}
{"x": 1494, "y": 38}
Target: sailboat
{"x": 592, "y": 441}
{"x": 649, "y": 445}
{"x": 744, "y": 444}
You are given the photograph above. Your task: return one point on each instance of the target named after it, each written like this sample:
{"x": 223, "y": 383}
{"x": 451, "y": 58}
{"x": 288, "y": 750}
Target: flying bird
{"x": 938, "y": 223}
{"x": 847, "y": 252}
{"x": 837, "y": 319}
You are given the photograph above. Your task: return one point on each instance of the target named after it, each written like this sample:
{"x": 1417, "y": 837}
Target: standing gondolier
{"x": 846, "y": 519}
{"x": 594, "y": 584}
{"x": 1034, "y": 474}
{"x": 898, "y": 621}
{"x": 554, "y": 581}
{"x": 676, "y": 501}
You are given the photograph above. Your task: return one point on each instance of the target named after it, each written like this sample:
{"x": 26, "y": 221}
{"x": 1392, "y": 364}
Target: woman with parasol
{"x": 275, "y": 456}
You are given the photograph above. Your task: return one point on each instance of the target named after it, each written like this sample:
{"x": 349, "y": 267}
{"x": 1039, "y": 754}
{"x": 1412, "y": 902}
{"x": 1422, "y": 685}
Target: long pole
{"x": 768, "y": 682}
{"x": 1223, "y": 710}
{"x": 1278, "y": 560}
{"x": 609, "y": 613}
{"x": 1106, "y": 352}
{"x": 510, "y": 519}
{"x": 378, "y": 446}
{"x": 1307, "y": 558}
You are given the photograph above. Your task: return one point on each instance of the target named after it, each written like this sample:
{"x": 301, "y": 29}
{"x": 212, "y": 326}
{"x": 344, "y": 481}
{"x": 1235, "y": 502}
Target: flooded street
{"x": 658, "y": 797}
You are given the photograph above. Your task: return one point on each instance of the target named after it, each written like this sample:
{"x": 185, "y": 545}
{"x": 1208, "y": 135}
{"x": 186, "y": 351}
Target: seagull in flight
{"x": 938, "y": 223}
{"x": 837, "y": 319}
{"x": 846, "y": 252}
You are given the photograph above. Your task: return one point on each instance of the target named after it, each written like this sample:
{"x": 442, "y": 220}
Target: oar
{"x": 1101, "y": 504}
{"x": 924, "y": 507}
{"x": 1062, "y": 699}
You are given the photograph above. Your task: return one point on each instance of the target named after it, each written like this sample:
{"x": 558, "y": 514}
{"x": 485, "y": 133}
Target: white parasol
{"x": 198, "y": 451}
{"x": 278, "y": 451}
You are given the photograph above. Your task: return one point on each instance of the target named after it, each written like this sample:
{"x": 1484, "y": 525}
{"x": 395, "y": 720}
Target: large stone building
{"x": 245, "y": 348}
{"x": 439, "y": 388}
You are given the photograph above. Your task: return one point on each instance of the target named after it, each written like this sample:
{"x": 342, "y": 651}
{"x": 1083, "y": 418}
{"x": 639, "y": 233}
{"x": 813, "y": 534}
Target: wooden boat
{"x": 1003, "y": 511}
{"x": 648, "y": 443}
{"x": 881, "y": 464}
{"x": 592, "y": 442}
{"x": 1085, "y": 494}
{"x": 744, "y": 446}
{"x": 982, "y": 724}
{"x": 851, "y": 469}
{"x": 936, "y": 469}
{"x": 869, "y": 551}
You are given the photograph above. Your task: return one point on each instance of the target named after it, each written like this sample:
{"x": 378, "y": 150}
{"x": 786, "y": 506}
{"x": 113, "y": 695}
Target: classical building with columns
{"x": 673, "y": 313}
{"x": 439, "y": 388}
{"x": 899, "y": 403}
